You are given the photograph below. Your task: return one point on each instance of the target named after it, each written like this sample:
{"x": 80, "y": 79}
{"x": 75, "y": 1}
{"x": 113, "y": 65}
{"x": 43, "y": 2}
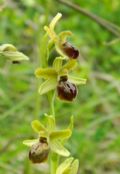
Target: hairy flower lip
{"x": 66, "y": 91}
{"x": 39, "y": 151}
{"x": 70, "y": 50}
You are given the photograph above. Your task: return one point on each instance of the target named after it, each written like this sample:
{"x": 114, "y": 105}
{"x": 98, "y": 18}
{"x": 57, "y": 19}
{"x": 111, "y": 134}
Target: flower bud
{"x": 39, "y": 151}
{"x": 70, "y": 51}
{"x": 66, "y": 90}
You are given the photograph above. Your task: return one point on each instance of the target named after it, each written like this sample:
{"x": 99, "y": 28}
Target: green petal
{"x": 64, "y": 166}
{"x": 57, "y": 64}
{"x": 57, "y": 147}
{"x": 30, "y": 142}
{"x": 55, "y": 20}
{"x": 62, "y": 134}
{"x": 45, "y": 73}
{"x": 50, "y": 120}
{"x": 77, "y": 80}
{"x": 38, "y": 126}
{"x": 47, "y": 86}
{"x": 70, "y": 65}
{"x": 63, "y": 36}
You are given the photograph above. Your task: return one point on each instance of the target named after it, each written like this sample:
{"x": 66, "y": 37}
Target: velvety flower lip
{"x": 66, "y": 90}
{"x": 55, "y": 139}
{"x": 39, "y": 151}
{"x": 70, "y": 51}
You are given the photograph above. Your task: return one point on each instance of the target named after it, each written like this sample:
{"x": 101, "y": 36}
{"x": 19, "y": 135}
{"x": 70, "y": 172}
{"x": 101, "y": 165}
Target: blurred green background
{"x": 96, "y": 136}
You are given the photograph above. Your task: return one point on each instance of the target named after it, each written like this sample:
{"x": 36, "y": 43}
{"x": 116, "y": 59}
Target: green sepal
{"x": 37, "y": 126}
{"x": 70, "y": 65}
{"x": 50, "y": 122}
{"x": 57, "y": 147}
{"x": 69, "y": 166}
{"x": 61, "y": 134}
{"x": 30, "y": 142}
{"x": 45, "y": 73}
{"x": 7, "y": 47}
{"x": 54, "y": 21}
{"x": 74, "y": 167}
{"x": 9, "y": 51}
{"x": 47, "y": 86}
{"x": 77, "y": 80}
{"x": 15, "y": 56}
{"x": 57, "y": 64}
{"x": 63, "y": 167}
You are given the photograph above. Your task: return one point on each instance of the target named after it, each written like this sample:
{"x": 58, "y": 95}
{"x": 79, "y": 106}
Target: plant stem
{"x": 53, "y": 163}
{"x": 54, "y": 158}
{"x": 52, "y": 104}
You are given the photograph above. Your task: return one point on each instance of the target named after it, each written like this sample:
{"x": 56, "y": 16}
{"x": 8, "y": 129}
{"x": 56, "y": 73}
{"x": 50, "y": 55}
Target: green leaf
{"x": 70, "y": 65}
{"x": 45, "y": 73}
{"x": 50, "y": 120}
{"x": 62, "y": 134}
{"x": 47, "y": 86}
{"x": 37, "y": 126}
{"x": 64, "y": 166}
{"x": 30, "y": 142}
{"x": 57, "y": 147}
{"x": 57, "y": 64}
{"x": 77, "y": 80}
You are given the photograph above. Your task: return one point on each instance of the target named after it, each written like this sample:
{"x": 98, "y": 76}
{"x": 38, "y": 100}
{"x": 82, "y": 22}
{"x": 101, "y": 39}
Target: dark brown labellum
{"x": 63, "y": 78}
{"x": 39, "y": 151}
{"x": 70, "y": 51}
{"x": 66, "y": 90}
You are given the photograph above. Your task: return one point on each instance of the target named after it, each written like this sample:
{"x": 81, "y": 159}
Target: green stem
{"x": 53, "y": 104}
{"x": 54, "y": 159}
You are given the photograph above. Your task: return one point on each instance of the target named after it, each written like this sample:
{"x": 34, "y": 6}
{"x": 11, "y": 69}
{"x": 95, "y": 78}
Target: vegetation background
{"x": 96, "y": 136}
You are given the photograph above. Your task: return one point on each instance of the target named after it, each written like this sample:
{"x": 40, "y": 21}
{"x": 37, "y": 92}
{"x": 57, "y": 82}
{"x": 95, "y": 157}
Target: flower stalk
{"x": 58, "y": 82}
